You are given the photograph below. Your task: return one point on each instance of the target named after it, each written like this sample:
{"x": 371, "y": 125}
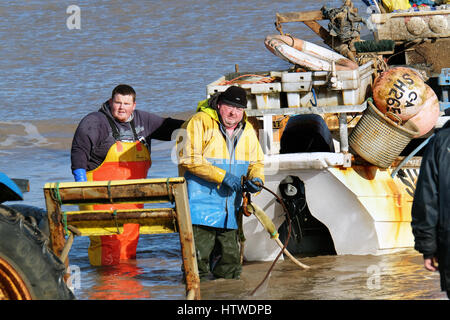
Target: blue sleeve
{"x": 79, "y": 175}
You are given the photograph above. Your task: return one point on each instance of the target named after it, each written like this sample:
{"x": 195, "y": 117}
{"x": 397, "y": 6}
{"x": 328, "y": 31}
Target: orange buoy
{"x": 426, "y": 118}
{"x": 399, "y": 91}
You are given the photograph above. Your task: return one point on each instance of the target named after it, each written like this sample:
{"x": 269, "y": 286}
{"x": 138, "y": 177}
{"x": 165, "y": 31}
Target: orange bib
{"x": 124, "y": 160}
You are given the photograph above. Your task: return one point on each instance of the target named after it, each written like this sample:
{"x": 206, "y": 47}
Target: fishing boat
{"x": 339, "y": 201}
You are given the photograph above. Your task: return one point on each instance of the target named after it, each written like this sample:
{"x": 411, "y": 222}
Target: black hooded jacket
{"x": 431, "y": 206}
{"x": 94, "y": 134}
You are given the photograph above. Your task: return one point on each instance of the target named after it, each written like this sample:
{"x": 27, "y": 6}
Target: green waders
{"x": 223, "y": 242}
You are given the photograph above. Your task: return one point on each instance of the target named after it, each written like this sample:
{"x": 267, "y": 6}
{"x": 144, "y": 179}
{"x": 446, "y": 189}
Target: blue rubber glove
{"x": 254, "y": 185}
{"x": 232, "y": 182}
{"x": 79, "y": 175}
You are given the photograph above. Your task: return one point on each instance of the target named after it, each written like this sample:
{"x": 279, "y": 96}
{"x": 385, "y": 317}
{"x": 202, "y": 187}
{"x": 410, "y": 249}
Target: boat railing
{"x": 267, "y": 139}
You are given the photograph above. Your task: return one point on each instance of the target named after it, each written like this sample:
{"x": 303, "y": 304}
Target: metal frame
{"x": 267, "y": 139}
{"x": 153, "y": 221}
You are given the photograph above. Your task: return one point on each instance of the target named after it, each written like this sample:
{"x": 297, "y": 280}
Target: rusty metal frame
{"x": 309, "y": 18}
{"x": 172, "y": 190}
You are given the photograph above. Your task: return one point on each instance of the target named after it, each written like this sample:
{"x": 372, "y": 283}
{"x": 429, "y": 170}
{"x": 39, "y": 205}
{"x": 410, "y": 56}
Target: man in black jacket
{"x": 116, "y": 120}
{"x": 114, "y": 144}
{"x": 431, "y": 207}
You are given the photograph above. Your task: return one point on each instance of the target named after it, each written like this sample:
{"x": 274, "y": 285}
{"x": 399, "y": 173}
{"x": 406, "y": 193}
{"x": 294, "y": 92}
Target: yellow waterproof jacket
{"x": 391, "y": 5}
{"x": 205, "y": 154}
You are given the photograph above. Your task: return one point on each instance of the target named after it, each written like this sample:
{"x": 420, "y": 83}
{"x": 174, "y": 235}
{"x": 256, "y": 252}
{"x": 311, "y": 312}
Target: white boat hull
{"x": 365, "y": 210}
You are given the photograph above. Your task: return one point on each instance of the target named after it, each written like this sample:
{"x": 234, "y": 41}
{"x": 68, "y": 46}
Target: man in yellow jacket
{"x": 218, "y": 147}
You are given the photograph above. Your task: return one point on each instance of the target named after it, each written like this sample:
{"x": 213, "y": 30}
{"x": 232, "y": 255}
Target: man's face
{"x": 231, "y": 116}
{"x": 122, "y": 107}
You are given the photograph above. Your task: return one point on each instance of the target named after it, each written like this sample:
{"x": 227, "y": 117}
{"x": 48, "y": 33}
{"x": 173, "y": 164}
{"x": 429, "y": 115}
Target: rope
{"x": 285, "y": 244}
{"x": 115, "y": 221}
{"x": 56, "y": 193}
{"x": 57, "y": 196}
{"x": 344, "y": 21}
{"x": 379, "y": 63}
{"x": 264, "y": 79}
{"x": 64, "y": 220}
{"x": 314, "y": 104}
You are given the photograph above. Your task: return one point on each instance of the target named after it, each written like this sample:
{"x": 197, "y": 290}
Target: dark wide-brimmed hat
{"x": 235, "y": 96}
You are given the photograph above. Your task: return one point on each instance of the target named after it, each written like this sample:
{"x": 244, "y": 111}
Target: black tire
{"x": 36, "y": 216}
{"x": 25, "y": 248}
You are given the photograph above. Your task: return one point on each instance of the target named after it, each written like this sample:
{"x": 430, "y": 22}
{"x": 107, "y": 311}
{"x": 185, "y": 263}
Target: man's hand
{"x": 79, "y": 175}
{"x": 430, "y": 264}
{"x": 232, "y": 182}
{"x": 254, "y": 185}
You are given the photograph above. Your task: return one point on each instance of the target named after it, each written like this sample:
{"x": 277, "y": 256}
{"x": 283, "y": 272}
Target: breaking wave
{"x": 52, "y": 134}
